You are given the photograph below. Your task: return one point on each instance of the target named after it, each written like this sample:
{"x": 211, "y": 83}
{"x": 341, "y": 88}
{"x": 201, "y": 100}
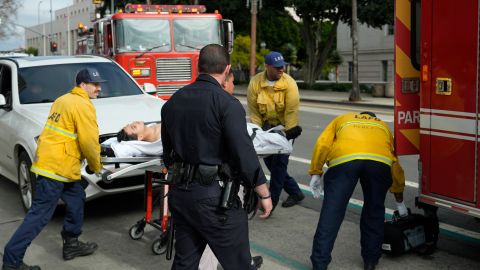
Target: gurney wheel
{"x": 136, "y": 232}
{"x": 159, "y": 246}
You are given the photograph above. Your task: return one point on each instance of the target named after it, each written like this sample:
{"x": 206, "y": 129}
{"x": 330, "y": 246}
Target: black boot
{"x": 257, "y": 261}
{"x": 21, "y": 267}
{"x": 72, "y": 247}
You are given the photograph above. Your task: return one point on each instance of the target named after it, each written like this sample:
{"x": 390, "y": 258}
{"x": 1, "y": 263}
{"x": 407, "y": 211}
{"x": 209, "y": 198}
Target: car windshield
{"x": 138, "y": 35}
{"x": 43, "y": 84}
{"x": 194, "y": 34}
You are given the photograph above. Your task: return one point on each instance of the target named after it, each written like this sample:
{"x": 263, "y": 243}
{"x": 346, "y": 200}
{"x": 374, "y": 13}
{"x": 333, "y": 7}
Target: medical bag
{"x": 410, "y": 233}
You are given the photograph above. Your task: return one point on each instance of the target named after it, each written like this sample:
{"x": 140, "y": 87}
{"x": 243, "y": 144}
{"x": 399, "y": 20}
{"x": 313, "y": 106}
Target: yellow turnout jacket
{"x": 69, "y": 136}
{"x": 275, "y": 105}
{"x": 357, "y": 136}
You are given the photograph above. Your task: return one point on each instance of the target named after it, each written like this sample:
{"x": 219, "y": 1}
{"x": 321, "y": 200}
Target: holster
{"x": 230, "y": 188}
{"x": 206, "y": 174}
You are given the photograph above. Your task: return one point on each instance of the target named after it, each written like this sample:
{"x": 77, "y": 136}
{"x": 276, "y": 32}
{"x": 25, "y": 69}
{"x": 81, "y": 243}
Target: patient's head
{"x": 228, "y": 83}
{"x": 132, "y": 131}
{"x": 139, "y": 131}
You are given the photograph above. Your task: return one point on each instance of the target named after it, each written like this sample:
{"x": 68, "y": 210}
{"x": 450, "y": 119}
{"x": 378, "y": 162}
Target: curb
{"x": 346, "y": 102}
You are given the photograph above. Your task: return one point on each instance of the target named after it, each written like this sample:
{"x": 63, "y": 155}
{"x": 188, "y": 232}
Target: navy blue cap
{"x": 89, "y": 75}
{"x": 275, "y": 59}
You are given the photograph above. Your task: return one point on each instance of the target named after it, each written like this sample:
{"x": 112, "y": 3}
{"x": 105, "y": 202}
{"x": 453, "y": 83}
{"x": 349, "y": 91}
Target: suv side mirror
{"x": 149, "y": 88}
{"x": 3, "y": 101}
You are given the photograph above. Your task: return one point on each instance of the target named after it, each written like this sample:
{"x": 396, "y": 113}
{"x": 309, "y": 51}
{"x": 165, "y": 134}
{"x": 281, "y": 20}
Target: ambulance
{"x": 437, "y": 100}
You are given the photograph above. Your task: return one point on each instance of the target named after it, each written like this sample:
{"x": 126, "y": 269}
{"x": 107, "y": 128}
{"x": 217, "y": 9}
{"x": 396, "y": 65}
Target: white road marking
{"x": 443, "y": 226}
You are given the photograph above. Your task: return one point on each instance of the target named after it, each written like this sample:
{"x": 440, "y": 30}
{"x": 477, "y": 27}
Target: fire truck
{"x": 160, "y": 44}
{"x": 437, "y": 100}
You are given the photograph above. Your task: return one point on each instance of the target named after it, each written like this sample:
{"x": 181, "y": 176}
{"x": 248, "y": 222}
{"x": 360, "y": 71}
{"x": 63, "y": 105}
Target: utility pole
{"x": 51, "y": 24}
{"x": 43, "y": 26}
{"x": 68, "y": 30}
{"x": 355, "y": 92}
{"x": 253, "y": 38}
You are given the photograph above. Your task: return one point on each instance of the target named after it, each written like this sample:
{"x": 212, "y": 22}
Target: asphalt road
{"x": 284, "y": 240}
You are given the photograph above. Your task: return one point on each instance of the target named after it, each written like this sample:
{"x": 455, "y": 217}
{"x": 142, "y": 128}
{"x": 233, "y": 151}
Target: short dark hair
{"x": 123, "y": 136}
{"x": 213, "y": 59}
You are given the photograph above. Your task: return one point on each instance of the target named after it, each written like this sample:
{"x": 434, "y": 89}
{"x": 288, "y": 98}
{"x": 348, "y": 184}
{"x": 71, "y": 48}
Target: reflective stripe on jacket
{"x": 357, "y": 136}
{"x": 69, "y": 136}
{"x": 275, "y": 105}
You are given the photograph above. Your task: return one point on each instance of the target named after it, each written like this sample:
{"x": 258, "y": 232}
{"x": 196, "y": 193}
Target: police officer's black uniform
{"x": 203, "y": 124}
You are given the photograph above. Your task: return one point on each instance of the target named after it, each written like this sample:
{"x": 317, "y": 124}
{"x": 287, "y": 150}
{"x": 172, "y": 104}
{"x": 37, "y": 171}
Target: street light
{"x": 38, "y": 12}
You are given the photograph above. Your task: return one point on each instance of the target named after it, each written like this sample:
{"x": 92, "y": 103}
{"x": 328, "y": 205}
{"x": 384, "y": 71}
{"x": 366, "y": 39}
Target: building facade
{"x": 63, "y": 29}
{"x": 375, "y": 53}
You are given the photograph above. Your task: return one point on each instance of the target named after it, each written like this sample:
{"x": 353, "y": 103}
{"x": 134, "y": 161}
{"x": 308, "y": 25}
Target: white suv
{"x": 29, "y": 85}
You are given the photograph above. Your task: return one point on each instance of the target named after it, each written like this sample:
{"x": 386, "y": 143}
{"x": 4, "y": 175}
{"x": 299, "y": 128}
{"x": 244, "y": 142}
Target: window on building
{"x": 350, "y": 70}
{"x": 384, "y": 70}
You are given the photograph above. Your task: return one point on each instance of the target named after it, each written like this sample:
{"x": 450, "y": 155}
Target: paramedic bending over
{"x": 205, "y": 127}
{"x": 355, "y": 146}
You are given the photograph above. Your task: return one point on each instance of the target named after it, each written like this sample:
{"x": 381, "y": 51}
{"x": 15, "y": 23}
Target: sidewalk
{"x": 333, "y": 97}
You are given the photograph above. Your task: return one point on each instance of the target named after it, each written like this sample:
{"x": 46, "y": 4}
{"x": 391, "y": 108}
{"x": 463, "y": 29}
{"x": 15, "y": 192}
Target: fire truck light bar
{"x": 139, "y": 8}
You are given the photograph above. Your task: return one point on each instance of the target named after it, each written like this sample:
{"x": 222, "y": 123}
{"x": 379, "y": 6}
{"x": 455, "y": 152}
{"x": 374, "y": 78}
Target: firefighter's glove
{"x": 293, "y": 133}
{"x": 316, "y": 186}
{"x": 402, "y": 209}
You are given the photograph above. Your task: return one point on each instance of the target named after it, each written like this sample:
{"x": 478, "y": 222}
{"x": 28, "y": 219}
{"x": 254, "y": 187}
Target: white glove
{"x": 402, "y": 209}
{"x": 316, "y": 186}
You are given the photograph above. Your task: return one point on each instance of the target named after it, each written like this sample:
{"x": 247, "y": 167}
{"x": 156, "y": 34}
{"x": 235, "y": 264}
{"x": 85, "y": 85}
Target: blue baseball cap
{"x": 89, "y": 75}
{"x": 275, "y": 59}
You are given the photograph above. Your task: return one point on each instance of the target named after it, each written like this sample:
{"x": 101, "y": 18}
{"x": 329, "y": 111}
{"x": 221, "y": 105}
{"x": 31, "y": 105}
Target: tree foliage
{"x": 240, "y": 57}
{"x": 8, "y": 14}
{"x": 319, "y": 26}
{"x": 31, "y": 51}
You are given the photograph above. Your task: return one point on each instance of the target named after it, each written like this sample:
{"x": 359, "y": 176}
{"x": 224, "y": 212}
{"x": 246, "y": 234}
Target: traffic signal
{"x": 53, "y": 46}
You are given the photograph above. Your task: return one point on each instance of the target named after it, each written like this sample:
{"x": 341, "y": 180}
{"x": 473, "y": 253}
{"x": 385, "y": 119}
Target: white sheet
{"x": 134, "y": 148}
{"x": 263, "y": 141}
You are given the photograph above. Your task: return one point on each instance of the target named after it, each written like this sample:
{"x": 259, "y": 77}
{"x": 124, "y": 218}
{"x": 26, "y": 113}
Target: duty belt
{"x": 183, "y": 173}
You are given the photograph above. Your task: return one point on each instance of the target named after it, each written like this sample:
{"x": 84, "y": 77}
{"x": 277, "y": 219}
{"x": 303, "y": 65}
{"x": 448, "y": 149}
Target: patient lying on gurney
{"x": 137, "y": 139}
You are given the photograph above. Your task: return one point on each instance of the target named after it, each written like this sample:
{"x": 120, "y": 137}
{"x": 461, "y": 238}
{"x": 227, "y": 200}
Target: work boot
{"x": 21, "y": 267}
{"x": 72, "y": 247}
{"x": 257, "y": 261}
{"x": 293, "y": 199}
{"x": 369, "y": 266}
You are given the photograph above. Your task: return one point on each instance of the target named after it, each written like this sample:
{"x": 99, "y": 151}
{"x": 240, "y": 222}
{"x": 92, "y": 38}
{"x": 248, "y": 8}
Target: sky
{"x": 27, "y": 15}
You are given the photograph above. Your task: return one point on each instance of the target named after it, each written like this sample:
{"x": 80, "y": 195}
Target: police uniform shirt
{"x": 204, "y": 124}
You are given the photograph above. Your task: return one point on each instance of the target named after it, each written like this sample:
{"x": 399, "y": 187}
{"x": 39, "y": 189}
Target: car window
{"x": 43, "y": 84}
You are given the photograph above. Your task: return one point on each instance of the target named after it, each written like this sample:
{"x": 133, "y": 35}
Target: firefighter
{"x": 273, "y": 99}
{"x": 203, "y": 132}
{"x": 69, "y": 136}
{"x": 354, "y": 146}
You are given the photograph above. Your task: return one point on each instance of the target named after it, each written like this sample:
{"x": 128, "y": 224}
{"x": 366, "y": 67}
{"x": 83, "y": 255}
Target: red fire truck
{"x": 159, "y": 44}
{"x": 437, "y": 100}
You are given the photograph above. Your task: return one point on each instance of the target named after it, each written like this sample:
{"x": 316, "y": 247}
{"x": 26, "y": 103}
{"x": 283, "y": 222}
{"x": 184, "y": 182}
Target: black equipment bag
{"x": 414, "y": 232}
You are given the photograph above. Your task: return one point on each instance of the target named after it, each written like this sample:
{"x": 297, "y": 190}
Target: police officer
{"x": 203, "y": 128}
{"x": 355, "y": 146}
{"x": 69, "y": 136}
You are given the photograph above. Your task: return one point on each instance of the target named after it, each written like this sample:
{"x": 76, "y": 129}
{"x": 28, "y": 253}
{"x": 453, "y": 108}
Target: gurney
{"x": 154, "y": 176}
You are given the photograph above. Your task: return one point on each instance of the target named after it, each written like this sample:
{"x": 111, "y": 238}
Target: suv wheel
{"x": 26, "y": 180}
